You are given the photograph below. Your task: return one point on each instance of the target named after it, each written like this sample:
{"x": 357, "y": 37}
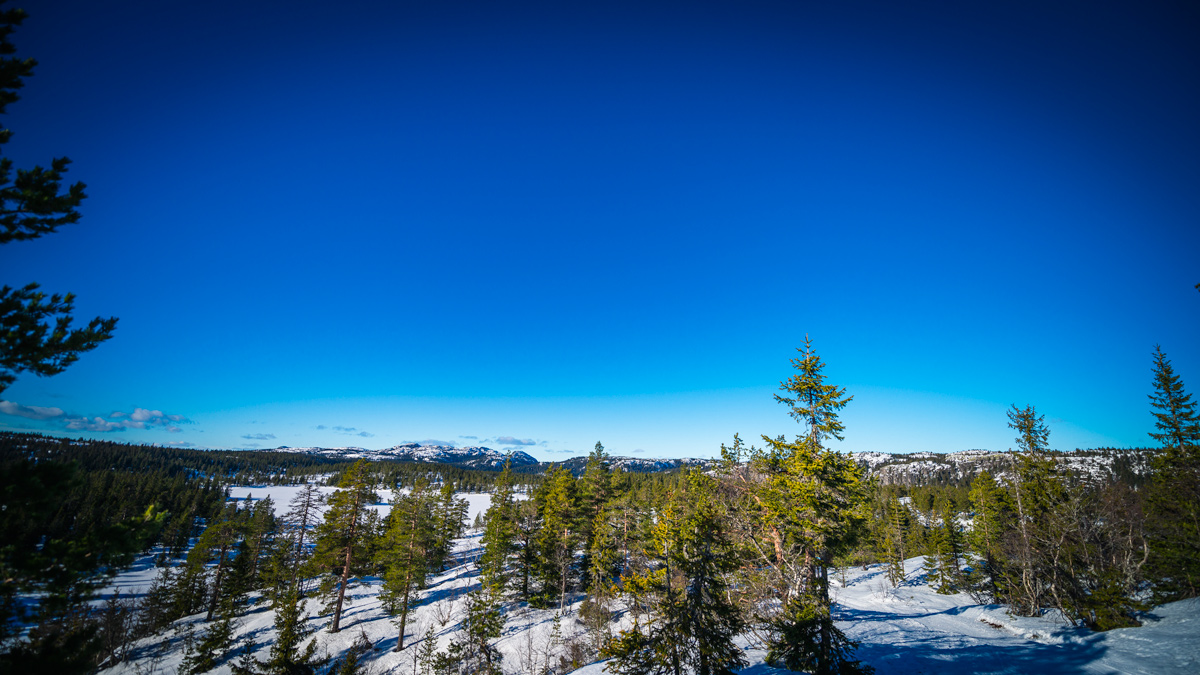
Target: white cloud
{"x": 141, "y": 418}
{"x": 259, "y": 437}
{"x": 94, "y": 424}
{"x": 32, "y": 412}
{"x": 509, "y": 440}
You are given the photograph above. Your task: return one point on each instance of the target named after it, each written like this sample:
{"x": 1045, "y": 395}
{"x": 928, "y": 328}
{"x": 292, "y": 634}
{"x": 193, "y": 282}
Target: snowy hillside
{"x": 905, "y": 630}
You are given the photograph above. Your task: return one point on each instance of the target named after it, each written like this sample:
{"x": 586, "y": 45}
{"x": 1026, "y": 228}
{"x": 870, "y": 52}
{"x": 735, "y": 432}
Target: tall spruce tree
{"x": 809, "y": 502}
{"x": 1037, "y": 490}
{"x": 594, "y": 491}
{"x": 1173, "y": 501}
{"x": 1175, "y": 418}
{"x": 304, "y": 512}
{"x": 559, "y": 535}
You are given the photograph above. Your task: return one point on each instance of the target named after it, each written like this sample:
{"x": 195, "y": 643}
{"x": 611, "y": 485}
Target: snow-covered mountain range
{"x": 917, "y": 468}
{"x": 473, "y": 457}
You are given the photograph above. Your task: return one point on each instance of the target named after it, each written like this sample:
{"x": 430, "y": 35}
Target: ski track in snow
{"x": 902, "y": 631}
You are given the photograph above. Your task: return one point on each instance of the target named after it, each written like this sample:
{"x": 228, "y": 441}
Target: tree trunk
{"x": 212, "y": 606}
{"x": 337, "y": 612}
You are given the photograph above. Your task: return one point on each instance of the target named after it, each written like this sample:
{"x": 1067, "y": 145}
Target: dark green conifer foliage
{"x": 894, "y": 535}
{"x": 810, "y": 504}
{"x": 594, "y": 490}
{"x": 451, "y": 513}
{"x": 692, "y": 621}
{"x": 216, "y": 545}
{"x": 287, "y": 658}
{"x": 35, "y": 329}
{"x": 472, "y": 652}
{"x": 406, "y": 553}
{"x": 945, "y": 553}
{"x": 1037, "y": 490}
{"x": 992, "y": 511}
{"x": 1174, "y": 410}
{"x": 216, "y": 643}
{"x": 528, "y": 525}
{"x": 344, "y": 538}
{"x": 559, "y": 536}
{"x": 807, "y": 640}
{"x": 1173, "y": 502}
{"x": 500, "y": 534}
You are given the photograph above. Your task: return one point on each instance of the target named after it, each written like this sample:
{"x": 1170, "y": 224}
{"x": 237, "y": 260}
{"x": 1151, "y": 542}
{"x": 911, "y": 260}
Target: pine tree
{"x": 216, "y": 544}
{"x": 594, "y": 491}
{"x": 35, "y": 329}
{"x": 500, "y": 534}
{"x": 344, "y": 537}
{"x": 405, "y": 554}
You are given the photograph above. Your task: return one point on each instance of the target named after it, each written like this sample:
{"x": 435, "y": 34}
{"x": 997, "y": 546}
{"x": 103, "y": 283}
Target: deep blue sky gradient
{"x": 570, "y": 222}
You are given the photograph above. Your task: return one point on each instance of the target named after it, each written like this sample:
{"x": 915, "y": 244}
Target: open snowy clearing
{"x": 905, "y": 630}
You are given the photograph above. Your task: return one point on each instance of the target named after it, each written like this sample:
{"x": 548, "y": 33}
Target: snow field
{"x": 905, "y": 630}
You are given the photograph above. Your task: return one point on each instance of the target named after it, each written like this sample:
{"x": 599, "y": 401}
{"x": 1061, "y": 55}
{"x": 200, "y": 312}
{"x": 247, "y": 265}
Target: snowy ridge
{"x": 922, "y": 468}
{"x": 472, "y": 457}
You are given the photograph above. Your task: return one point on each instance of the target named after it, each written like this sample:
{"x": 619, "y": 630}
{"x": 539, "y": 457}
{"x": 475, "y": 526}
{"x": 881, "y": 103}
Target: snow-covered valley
{"x": 901, "y": 630}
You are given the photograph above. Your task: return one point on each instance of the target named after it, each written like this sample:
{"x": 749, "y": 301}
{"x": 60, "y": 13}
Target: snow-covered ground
{"x": 912, "y": 629}
{"x": 282, "y": 495}
{"x": 909, "y": 629}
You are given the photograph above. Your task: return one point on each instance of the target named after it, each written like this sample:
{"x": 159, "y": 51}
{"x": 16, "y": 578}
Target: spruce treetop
{"x": 810, "y": 401}
{"x": 1034, "y": 434}
{"x": 1175, "y": 412}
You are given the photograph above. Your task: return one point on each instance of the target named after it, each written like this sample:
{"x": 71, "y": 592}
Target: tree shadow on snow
{"x": 934, "y": 655}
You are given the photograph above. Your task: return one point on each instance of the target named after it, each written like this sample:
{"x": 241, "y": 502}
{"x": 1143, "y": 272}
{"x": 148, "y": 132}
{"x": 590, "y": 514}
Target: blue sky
{"x": 543, "y": 225}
